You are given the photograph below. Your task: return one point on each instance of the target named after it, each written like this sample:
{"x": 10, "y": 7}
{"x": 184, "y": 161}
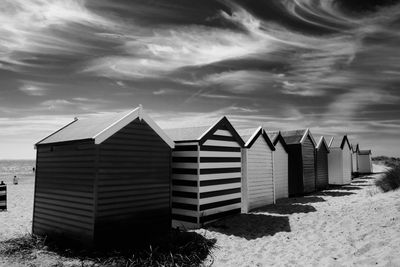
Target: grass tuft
{"x": 178, "y": 248}
{"x": 390, "y": 180}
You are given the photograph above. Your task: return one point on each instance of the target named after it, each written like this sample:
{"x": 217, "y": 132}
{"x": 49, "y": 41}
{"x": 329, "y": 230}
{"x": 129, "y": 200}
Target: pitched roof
{"x": 275, "y": 137}
{"x": 101, "y": 127}
{"x": 322, "y": 141}
{"x": 272, "y": 135}
{"x": 200, "y": 134}
{"x": 297, "y": 136}
{"x": 339, "y": 142}
{"x": 364, "y": 152}
{"x": 249, "y": 136}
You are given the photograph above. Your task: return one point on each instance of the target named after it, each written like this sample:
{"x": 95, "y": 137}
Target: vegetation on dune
{"x": 390, "y": 179}
{"x": 387, "y": 161}
{"x": 179, "y": 248}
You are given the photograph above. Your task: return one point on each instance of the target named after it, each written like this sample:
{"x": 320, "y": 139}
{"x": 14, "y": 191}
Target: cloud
{"x": 34, "y": 88}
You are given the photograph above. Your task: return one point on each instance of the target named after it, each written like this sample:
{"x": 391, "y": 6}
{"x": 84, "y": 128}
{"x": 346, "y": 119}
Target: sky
{"x": 328, "y": 65}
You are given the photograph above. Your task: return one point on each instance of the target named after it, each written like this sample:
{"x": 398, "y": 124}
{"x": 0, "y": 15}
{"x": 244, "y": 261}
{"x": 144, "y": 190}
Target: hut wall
{"x": 258, "y": 181}
{"x": 206, "y": 180}
{"x": 308, "y": 152}
{"x": 322, "y": 180}
{"x": 355, "y": 162}
{"x": 335, "y": 166}
{"x": 133, "y": 185}
{"x": 365, "y": 163}
{"x": 185, "y": 185}
{"x": 281, "y": 178}
{"x": 346, "y": 165}
{"x": 296, "y": 186}
{"x": 64, "y": 192}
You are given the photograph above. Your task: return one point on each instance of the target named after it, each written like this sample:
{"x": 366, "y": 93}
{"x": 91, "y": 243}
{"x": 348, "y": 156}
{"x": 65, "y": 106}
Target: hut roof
{"x": 275, "y": 137}
{"x": 364, "y": 152}
{"x": 297, "y": 136}
{"x": 322, "y": 141}
{"x": 101, "y": 127}
{"x": 339, "y": 142}
{"x": 249, "y": 136}
{"x": 201, "y": 133}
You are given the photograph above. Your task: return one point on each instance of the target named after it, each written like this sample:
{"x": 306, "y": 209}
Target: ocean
{"x": 23, "y": 169}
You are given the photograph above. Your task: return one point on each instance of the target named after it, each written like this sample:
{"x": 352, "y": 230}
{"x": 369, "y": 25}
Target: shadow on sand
{"x": 334, "y": 193}
{"x": 251, "y": 226}
{"x": 360, "y": 181}
{"x": 344, "y": 187}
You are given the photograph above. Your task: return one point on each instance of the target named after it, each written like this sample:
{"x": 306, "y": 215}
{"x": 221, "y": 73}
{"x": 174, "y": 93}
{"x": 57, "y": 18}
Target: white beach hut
{"x": 339, "y": 161}
{"x": 364, "y": 161}
{"x": 281, "y": 168}
{"x": 257, "y": 169}
{"x": 354, "y": 158}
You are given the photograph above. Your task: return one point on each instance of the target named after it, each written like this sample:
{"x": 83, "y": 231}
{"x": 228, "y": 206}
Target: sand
{"x": 354, "y": 225}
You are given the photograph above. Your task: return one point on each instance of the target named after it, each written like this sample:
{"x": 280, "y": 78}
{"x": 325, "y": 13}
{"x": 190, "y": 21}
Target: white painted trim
{"x": 209, "y": 129}
{"x": 253, "y": 136}
{"x": 128, "y": 118}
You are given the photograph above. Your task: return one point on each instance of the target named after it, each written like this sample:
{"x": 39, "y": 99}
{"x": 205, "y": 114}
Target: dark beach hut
{"x": 206, "y": 173}
{"x": 301, "y": 147}
{"x": 322, "y": 178}
{"x": 104, "y": 181}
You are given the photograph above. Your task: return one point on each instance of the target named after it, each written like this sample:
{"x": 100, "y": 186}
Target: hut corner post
{"x": 34, "y": 189}
{"x": 95, "y": 192}
{"x": 273, "y": 176}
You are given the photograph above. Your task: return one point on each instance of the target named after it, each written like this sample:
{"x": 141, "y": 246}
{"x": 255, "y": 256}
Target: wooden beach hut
{"x": 257, "y": 169}
{"x": 322, "y": 151}
{"x": 104, "y": 181}
{"x": 364, "y": 161}
{"x": 354, "y": 158}
{"x": 301, "y": 147}
{"x": 281, "y": 165}
{"x": 206, "y": 173}
{"x": 339, "y": 161}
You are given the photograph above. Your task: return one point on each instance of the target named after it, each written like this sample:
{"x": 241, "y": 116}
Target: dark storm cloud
{"x": 331, "y": 65}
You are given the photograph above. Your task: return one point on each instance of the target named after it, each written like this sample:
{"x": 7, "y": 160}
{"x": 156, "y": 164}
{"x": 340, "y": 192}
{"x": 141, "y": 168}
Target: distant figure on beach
{"x": 33, "y": 169}
{"x": 15, "y": 180}
{"x": 2, "y": 183}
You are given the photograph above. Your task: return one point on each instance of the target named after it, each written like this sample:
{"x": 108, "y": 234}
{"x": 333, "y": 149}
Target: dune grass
{"x": 390, "y": 180}
{"x": 387, "y": 161}
{"x": 179, "y": 248}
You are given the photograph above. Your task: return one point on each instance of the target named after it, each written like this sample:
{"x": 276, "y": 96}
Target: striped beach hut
{"x": 206, "y": 173}
{"x": 281, "y": 165}
{"x": 364, "y": 161}
{"x": 104, "y": 181}
{"x": 339, "y": 160}
{"x": 301, "y": 146}
{"x": 257, "y": 169}
{"x": 322, "y": 151}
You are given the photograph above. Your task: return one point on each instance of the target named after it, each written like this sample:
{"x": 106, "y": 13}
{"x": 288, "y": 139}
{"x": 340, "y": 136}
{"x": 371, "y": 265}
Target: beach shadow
{"x": 251, "y": 226}
{"x": 344, "y": 187}
{"x": 367, "y": 178}
{"x": 334, "y": 193}
{"x": 300, "y": 200}
{"x": 364, "y": 184}
{"x": 359, "y": 182}
{"x": 286, "y": 208}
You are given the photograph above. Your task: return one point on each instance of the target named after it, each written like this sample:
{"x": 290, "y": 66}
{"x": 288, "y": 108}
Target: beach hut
{"x": 104, "y": 181}
{"x": 322, "y": 151}
{"x": 206, "y": 173}
{"x": 339, "y": 161}
{"x": 281, "y": 168}
{"x": 364, "y": 161}
{"x": 354, "y": 158}
{"x": 301, "y": 147}
{"x": 257, "y": 169}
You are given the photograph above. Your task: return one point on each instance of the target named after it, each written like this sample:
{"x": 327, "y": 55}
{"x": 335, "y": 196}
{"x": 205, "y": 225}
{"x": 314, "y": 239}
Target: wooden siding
{"x": 354, "y": 162}
{"x": 64, "y": 192}
{"x": 258, "y": 182}
{"x": 365, "y": 165}
{"x": 134, "y": 185}
{"x": 322, "y": 179}
{"x": 295, "y": 170}
{"x": 206, "y": 180}
{"x": 281, "y": 175}
{"x": 346, "y": 165}
{"x": 308, "y": 152}
{"x": 335, "y": 166}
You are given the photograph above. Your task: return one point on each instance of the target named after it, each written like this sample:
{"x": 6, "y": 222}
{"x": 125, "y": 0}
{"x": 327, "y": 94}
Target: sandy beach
{"x": 353, "y": 225}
